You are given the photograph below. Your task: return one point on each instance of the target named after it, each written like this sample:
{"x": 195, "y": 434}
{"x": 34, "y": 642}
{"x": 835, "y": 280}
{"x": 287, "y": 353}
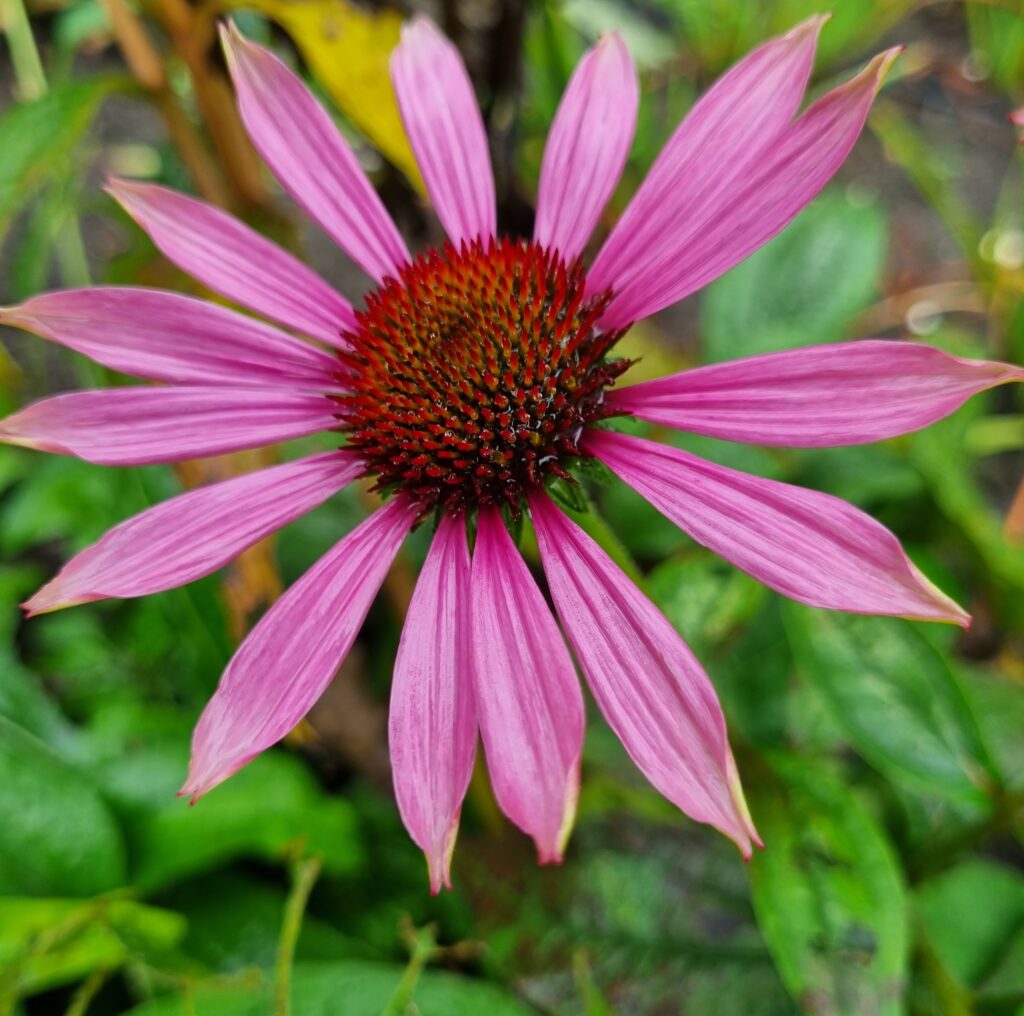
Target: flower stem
{"x": 32, "y": 85}
{"x": 423, "y": 948}
{"x": 28, "y": 68}
{"x": 305, "y": 874}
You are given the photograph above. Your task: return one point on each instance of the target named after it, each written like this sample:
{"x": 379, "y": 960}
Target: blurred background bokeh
{"x": 884, "y": 760}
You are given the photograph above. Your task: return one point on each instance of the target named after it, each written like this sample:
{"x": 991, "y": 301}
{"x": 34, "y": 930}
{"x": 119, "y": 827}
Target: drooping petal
{"x": 195, "y": 533}
{"x": 446, "y": 131}
{"x": 310, "y": 159}
{"x": 289, "y": 658}
{"x": 170, "y": 337}
{"x": 756, "y": 206}
{"x": 528, "y": 696}
{"x": 809, "y": 546}
{"x": 721, "y": 137}
{"x": 587, "y": 147}
{"x": 650, "y": 688}
{"x": 432, "y": 719}
{"x": 235, "y": 261}
{"x": 817, "y": 396}
{"x": 140, "y": 426}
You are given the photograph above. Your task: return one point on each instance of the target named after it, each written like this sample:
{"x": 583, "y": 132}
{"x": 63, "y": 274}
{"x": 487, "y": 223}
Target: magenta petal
{"x": 169, "y": 337}
{"x": 140, "y": 426}
{"x": 587, "y": 147}
{"x": 300, "y": 143}
{"x": 446, "y": 131}
{"x": 786, "y": 175}
{"x": 294, "y": 651}
{"x": 809, "y": 546}
{"x": 711, "y": 150}
{"x": 650, "y": 688}
{"x": 195, "y": 533}
{"x": 818, "y": 396}
{"x": 432, "y": 720}
{"x": 235, "y": 261}
{"x": 528, "y": 696}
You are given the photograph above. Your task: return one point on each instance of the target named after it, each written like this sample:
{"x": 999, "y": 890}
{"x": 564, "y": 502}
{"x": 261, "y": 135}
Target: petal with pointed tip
{"x": 235, "y": 261}
{"x": 446, "y": 131}
{"x": 817, "y": 396}
{"x": 310, "y": 159}
{"x": 195, "y": 533}
{"x": 749, "y": 209}
{"x": 165, "y": 336}
{"x": 140, "y": 426}
{"x": 432, "y": 719}
{"x": 809, "y": 546}
{"x": 586, "y": 147}
{"x": 290, "y": 657}
{"x": 528, "y": 696}
{"x": 714, "y": 148}
{"x": 647, "y": 683}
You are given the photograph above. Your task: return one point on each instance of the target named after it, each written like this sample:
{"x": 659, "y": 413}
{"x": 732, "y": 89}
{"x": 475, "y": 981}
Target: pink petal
{"x": 587, "y": 147}
{"x": 300, "y": 143}
{"x": 235, "y": 261}
{"x": 809, "y": 546}
{"x": 292, "y": 654}
{"x": 818, "y": 396}
{"x": 528, "y": 696}
{"x": 649, "y": 686}
{"x": 195, "y": 533}
{"x": 753, "y": 208}
{"x": 446, "y": 131}
{"x": 139, "y": 426}
{"x": 713, "y": 148}
{"x": 170, "y": 337}
{"x": 432, "y": 721}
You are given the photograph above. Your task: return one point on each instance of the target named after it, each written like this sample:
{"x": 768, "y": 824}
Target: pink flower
{"x": 472, "y": 376}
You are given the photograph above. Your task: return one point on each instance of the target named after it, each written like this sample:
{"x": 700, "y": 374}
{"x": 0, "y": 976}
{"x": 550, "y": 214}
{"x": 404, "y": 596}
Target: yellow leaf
{"x": 348, "y": 49}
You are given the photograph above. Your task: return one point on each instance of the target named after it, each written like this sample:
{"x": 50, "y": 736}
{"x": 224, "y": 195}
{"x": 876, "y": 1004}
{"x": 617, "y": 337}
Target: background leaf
{"x": 37, "y": 136}
{"x": 895, "y": 697}
{"x": 57, "y": 837}
{"x": 803, "y": 286}
{"x": 828, "y": 894}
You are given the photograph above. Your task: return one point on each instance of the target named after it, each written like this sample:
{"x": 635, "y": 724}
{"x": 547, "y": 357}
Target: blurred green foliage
{"x": 884, "y": 760}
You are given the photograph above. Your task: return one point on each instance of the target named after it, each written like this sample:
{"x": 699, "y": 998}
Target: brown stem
{"x": 1013, "y": 528}
{"x": 146, "y": 66}
{"x": 192, "y": 34}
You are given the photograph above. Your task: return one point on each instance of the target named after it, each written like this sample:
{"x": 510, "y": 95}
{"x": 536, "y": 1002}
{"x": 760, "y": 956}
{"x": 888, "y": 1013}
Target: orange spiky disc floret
{"x": 472, "y": 375}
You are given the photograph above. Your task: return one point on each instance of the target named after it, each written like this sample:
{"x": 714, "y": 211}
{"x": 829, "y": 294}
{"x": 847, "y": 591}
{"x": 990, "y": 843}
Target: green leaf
{"x": 36, "y": 136}
{"x": 48, "y": 942}
{"x": 802, "y": 287}
{"x": 234, "y": 922}
{"x": 895, "y": 697}
{"x": 354, "y": 988}
{"x": 704, "y": 597}
{"x": 937, "y": 453}
{"x": 754, "y": 677}
{"x": 723, "y": 31}
{"x": 998, "y": 703}
{"x": 970, "y": 915}
{"x": 828, "y": 893}
{"x": 649, "y": 45}
{"x": 997, "y": 36}
{"x": 57, "y": 836}
{"x": 264, "y": 811}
